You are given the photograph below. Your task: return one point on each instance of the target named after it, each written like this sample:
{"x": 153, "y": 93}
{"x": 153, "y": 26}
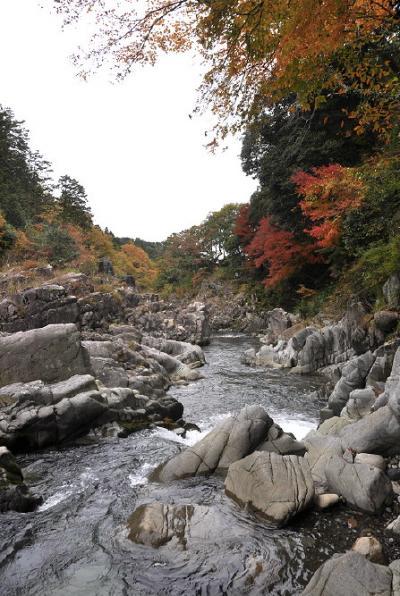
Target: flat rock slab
{"x": 158, "y": 524}
{"x": 277, "y": 486}
{"x": 234, "y": 438}
{"x": 350, "y": 574}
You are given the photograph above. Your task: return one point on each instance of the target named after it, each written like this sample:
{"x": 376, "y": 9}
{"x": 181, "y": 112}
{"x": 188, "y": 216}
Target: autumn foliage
{"x": 258, "y": 51}
{"x": 329, "y": 193}
{"x": 279, "y": 251}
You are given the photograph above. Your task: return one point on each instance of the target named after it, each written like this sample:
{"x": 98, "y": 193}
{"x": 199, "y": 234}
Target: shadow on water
{"x": 76, "y": 543}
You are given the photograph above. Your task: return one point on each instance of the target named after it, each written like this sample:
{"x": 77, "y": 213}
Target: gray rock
{"x": 277, "y": 486}
{"x": 158, "y": 524}
{"x": 395, "y": 569}
{"x": 281, "y": 442}
{"x": 360, "y": 403}
{"x": 377, "y": 461}
{"x": 51, "y": 354}
{"x": 14, "y": 494}
{"x": 394, "y": 526}
{"x": 382, "y": 367}
{"x": 233, "y": 439}
{"x": 378, "y": 433}
{"x": 37, "y": 307}
{"x": 391, "y": 291}
{"x": 348, "y": 575}
{"x": 353, "y": 377}
{"x": 363, "y": 486}
{"x": 386, "y": 320}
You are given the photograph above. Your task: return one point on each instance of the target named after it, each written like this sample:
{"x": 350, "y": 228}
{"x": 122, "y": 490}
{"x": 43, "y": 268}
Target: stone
{"x": 361, "y": 485}
{"x": 278, "y": 487}
{"x": 353, "y": 377}
{"x": 159, "y": 524}
{"x": 395, "y": 569}
{"x": 391, "y": 291}
{"x": 51, "y": 354}
{"x": 33, "y": 308}
{"x": 349, "y": 575}
{"x": 386, "y": 320}
{"x": 14, "y": 494}
{"x": 326, "y": 500}
{"x": 282, "y": 443}
{"x": 360, "y": 403}
{"x": 369, "y": 547}
{"x": 229, "y": 441}
{"x": 394, "y": 526}
{"x": 371, "y": 459}
{"x": 377, "y": 433}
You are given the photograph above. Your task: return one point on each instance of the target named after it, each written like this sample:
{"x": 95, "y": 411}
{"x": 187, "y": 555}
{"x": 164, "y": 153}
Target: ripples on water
{"x": 75, "y": 543}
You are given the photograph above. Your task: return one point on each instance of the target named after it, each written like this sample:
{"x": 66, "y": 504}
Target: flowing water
{"x": 76, "y": 543}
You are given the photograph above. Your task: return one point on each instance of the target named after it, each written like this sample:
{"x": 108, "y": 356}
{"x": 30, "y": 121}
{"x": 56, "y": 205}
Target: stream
{"x": 76, "y": 542}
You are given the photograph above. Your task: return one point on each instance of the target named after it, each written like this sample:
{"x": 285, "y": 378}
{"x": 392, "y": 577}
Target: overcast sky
{"x": 132, "y": 145}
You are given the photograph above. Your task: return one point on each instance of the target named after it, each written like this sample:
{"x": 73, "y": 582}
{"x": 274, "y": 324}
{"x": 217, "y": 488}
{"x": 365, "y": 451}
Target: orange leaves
{"x": 328, "y": 192}
{"x": 280, "y": 251}
{"x": 258, "y": 51}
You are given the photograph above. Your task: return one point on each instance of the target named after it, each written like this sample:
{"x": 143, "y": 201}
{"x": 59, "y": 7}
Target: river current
{"x": 76, "y": 543}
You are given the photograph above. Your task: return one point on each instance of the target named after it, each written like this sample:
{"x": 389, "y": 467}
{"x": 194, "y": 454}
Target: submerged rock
{"x": 14, "y": 494}
{"x": 277, "y": 486}
{"x": 157, "y": 524}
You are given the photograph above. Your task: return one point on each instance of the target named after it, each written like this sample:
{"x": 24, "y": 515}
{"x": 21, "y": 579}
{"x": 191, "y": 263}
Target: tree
{"x": 24, "y": 174}
{"x": 259, "y": 51}
{"x": 289, "y": 139}
{"x": 279, "y": 251}
{"x": 73, "y": 202}
{"x": 329, "y": 194}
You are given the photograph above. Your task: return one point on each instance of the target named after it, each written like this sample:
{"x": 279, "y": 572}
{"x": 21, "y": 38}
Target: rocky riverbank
{"x": 74, "y": 360}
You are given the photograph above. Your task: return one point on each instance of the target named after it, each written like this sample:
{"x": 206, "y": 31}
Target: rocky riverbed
{"x": 227, "y": 484}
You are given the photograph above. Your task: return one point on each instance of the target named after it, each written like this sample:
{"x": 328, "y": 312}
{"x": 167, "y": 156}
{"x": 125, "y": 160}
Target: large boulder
{"x": 348, "y": 575}
{"x": 231, "y": 440}
{"x": 276, "y": 486}
{"x": 361, "y": 485}
{"x": 52, "y": 353}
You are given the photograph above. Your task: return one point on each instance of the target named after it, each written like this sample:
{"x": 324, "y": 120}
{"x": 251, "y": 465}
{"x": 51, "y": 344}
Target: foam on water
{"x": 142, "y": 475}
{"x": 298, "y": 427}
{"x": 58, "y": 497}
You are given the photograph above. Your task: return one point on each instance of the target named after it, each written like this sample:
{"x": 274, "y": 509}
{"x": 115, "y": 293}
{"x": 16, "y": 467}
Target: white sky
{"x": 132, "y": 145}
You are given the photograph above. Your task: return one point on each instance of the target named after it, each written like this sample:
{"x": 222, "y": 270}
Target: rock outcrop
{"x": 52, "y": 353}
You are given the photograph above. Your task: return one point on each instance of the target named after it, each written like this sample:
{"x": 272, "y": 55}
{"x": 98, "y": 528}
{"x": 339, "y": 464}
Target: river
{"x": 76, "y": 542}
